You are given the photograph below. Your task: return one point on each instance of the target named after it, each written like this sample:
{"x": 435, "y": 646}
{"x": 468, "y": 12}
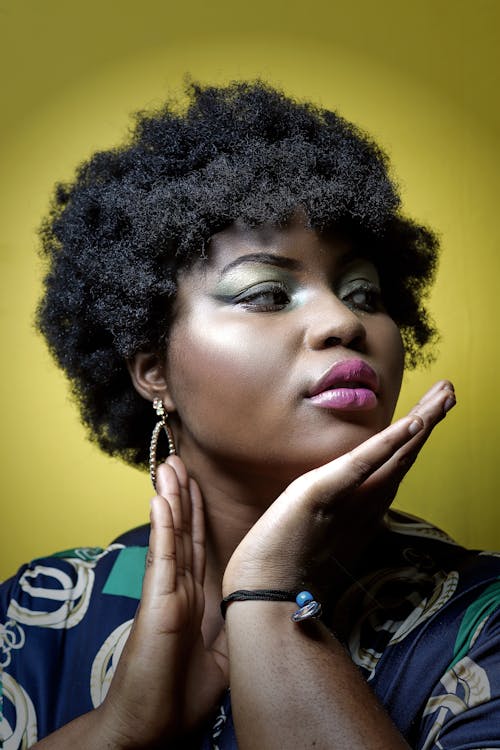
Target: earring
{"x": 161, "y": 424}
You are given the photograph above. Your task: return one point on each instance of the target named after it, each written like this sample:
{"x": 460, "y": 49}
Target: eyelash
{"x": 248, "y": 299}
{"x": 373, "y": 298}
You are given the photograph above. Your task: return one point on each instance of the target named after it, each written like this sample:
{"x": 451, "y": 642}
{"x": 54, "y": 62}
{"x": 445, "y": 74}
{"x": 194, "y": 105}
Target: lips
{"x": 348, "y": 385}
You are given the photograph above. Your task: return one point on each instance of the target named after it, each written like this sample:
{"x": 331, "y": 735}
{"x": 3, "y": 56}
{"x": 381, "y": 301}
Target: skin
{"x": 291, "y": 494}
{"x": 231, "y": 353}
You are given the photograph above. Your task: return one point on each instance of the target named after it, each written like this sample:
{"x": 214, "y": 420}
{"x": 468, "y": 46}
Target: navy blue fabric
{"x": 421, "y": 621}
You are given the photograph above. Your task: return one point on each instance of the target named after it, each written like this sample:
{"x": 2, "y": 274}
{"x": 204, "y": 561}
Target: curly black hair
{"x": 118, "y": 235}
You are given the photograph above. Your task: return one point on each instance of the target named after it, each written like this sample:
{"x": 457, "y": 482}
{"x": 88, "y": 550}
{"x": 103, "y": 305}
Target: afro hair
{"x": 117, "y": 237}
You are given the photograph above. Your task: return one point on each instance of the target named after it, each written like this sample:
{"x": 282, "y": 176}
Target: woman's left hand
{"x": 327, "y": 515}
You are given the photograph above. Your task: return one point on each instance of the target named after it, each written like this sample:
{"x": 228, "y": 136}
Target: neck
{"x": 233, "y": 503}
{"x": 232, "y": 508}
{"x": 234, "y": 499}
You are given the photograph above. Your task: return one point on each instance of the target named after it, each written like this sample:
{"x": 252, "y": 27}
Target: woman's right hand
{"x": 167, "y": 682}
{"x": 319, "y": 526}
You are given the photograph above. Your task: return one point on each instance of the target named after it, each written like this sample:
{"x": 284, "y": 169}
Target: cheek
{"x": 218, "y": 371}
{"x": 390, "y": 352}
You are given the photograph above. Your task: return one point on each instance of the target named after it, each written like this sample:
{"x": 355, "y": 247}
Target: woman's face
{"x": 258, "y": 328}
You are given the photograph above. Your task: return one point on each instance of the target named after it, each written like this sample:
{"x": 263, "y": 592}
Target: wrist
{"x": 113, "y": 730}
{"x": 110, "y": 729}
{"x": 260, "y": 580}
{"x": 252, "y": 612}
{"x": 307, "y": 607}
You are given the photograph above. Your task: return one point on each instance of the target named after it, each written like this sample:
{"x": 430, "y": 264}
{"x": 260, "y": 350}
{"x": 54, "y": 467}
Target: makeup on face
{"x": 265, "y": 282}
{"x": 265, "y": 318}
{"x": 350, "y": 384}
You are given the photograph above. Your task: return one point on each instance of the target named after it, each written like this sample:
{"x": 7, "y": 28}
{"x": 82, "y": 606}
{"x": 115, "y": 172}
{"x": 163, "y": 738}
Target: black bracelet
{"x": 263, "y": 595}
{"x": 308, "y": 606}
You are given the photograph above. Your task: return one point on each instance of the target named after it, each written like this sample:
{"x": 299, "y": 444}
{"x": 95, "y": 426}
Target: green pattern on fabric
{"x": 127, "y": 573}
{"x": 482, "y": 607}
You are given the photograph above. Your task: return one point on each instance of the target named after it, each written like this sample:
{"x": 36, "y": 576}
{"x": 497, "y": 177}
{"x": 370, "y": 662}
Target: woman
{"x": 242, "y": 264}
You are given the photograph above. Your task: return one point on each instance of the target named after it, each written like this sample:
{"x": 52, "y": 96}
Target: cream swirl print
{"x": 53, "y": 598}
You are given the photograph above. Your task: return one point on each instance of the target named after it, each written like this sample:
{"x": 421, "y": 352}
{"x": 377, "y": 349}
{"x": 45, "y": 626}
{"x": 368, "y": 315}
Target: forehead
{"x": 296, "y": 242}
{"x": 238, "y": 251}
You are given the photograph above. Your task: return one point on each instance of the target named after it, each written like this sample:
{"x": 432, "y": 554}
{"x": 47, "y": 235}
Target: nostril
{"x": 332, "y": 341}
{"x": 356, "y": 343}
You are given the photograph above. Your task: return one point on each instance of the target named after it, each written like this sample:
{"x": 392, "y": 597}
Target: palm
{"x": 165, "y": 661}
{"x": 204, "y": 669}
{"x": 329, "y": 513}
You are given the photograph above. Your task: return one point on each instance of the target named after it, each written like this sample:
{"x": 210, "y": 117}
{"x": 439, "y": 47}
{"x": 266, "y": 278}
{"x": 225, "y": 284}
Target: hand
{"x": 166, "y": 681}
{"x": 325, "y": 517}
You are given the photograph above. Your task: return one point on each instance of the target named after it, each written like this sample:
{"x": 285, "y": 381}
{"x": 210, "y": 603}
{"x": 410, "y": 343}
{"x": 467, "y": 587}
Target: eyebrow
{"x": 268, "y": 258}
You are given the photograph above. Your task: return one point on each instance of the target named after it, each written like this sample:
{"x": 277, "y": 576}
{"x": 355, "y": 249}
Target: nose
{"x": 332, "y": 323}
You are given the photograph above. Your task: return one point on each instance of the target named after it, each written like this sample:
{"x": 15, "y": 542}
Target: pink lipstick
{"x": 350, "y": 385}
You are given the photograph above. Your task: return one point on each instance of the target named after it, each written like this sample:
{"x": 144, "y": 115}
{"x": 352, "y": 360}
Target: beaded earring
{"x": 161, "y": 424}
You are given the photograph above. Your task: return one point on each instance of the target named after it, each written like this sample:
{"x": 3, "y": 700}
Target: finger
{"x": 169, "y": 488}
{"x": 198, "y": 532}
{"x": 443, "y": 388}
{"x": 357, "y": 465}
{"x": 182, "y": 476}
{"x": 348, "y": 472}
{"x": 431, "y": 410}
{"x": 440, "y": 385}
{"x": 161, "y": 567}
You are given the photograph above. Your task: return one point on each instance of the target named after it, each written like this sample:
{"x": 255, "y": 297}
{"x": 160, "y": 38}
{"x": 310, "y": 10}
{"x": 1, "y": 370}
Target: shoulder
{"x": 463, "y": 709}
{"x": 139, "y": 536}
{"x": 64, "y": 619}
{"x": 53, "y": 591}
{"x": 421, "y": 577}
{"x": 427, "y": 632}
{"x": 419, "y": 542}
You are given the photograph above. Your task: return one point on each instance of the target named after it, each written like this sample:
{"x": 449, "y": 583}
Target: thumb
{"x": 347, "y": 472}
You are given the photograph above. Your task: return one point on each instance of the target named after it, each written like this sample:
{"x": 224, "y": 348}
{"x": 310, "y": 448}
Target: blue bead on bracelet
{"x": 307, "y": 607}
{"x": 306, "y": 603}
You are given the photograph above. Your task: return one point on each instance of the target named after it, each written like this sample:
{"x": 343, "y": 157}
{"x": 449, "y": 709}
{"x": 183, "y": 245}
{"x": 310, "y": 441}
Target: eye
{"x": 362, "y": 295}
{"x": 264, "y": 298}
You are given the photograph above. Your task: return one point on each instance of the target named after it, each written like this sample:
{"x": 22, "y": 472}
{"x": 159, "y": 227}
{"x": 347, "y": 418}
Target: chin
{"x": 325, "y": 445}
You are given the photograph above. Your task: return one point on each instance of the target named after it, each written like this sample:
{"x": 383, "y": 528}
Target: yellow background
{"x": 421, "y": 77}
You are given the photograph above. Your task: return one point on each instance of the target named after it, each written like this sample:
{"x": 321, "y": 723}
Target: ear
{"x": 149, "y": 378}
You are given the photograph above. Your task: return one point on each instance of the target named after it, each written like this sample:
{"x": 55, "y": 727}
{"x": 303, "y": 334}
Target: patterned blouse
{"x": 423, "y": 627}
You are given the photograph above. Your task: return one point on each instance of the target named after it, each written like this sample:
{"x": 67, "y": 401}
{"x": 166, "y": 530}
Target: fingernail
{"x": 449, "y": 404}
{"x": 415, "y": 426}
